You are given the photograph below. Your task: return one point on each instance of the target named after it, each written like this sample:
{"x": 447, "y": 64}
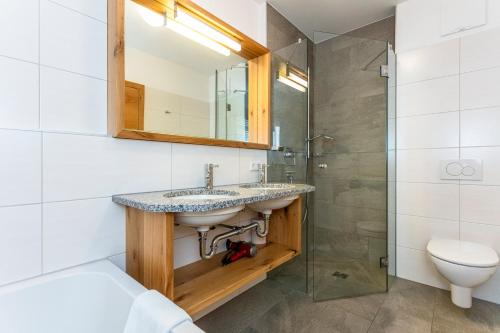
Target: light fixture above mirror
{"x": 182, "y": 22}
{"x": 291, "y": 75}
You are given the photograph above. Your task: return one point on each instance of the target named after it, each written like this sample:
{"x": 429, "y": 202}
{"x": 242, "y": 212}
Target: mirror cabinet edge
{"x": 259, "y": 104}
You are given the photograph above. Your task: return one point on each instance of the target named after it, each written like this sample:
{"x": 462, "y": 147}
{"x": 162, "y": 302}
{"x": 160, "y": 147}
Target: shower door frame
{"x": 310, "y": 163}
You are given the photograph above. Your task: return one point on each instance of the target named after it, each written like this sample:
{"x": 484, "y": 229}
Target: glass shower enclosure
{"x": 231, "y": 103}
{"x": 343, "y": 139}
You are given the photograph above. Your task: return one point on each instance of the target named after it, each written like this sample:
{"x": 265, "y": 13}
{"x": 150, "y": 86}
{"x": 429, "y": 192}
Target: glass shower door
{"x": 351, "y": 173}
{"x": 231, "y": 103}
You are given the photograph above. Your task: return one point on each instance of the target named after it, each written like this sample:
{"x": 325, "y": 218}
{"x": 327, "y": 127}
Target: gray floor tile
{"x": 408, "y": 307}
{"x": 298, "y": 313}
{"x": 407, "y": 310}
{"x": 238, "y": 313}
{"x": 364, "y": 306}
{"x": 482, "y": 317}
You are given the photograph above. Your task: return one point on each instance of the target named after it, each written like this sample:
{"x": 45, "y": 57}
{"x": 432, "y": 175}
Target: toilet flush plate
{"x": 465, "y": 169}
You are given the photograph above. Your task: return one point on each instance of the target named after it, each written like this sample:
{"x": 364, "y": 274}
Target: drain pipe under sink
{"x": 261, "y": 228}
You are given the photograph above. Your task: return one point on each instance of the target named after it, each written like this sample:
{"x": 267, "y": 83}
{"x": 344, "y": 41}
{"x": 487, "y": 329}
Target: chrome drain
{"x": 341, "y": 275}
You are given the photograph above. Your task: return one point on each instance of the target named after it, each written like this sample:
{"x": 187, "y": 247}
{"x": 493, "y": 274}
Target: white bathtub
{"x": 93, "y": 298}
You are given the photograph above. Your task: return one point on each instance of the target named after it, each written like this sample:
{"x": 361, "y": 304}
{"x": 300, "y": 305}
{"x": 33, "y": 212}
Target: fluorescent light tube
{"x": 206, "y": 30}
{"x": 197, "y": 37}
{"x": 152, "y": 18}
{"x": 291, "y": 83}
{"x": 294, "y": 77}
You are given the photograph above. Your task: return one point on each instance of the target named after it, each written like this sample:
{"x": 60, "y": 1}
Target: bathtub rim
{"x": 102, "y": 267}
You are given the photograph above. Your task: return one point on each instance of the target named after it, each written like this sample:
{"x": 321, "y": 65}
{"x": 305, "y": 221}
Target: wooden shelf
{"x": 203, "y": 283}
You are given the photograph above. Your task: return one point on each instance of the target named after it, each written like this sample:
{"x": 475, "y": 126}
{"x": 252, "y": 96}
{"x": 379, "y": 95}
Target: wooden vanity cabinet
{"x": 202, "y": 284}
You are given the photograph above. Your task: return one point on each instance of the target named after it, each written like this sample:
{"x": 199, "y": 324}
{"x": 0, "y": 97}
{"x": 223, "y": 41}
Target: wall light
{"x": 178, "y": 20}
{"x": 296, "y": 75}
{"x": 150, "y": 17}
{"x": 206, "y": 30}
{"x": 197, "y": 37}
{"x": 292, "y": 77}
{"x": 293, "y": 84}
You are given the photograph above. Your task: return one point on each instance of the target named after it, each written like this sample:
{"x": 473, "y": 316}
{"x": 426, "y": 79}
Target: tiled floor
{"x": 408, "y": 307}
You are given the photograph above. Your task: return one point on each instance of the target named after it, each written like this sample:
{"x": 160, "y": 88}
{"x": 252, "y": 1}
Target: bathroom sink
{"x": 266, "y": 207}
{"x": 202, "y": 221}
{"x": 203, "y": 197}
{"x": 201, "y": 194}
{"x": 268, "y": 186}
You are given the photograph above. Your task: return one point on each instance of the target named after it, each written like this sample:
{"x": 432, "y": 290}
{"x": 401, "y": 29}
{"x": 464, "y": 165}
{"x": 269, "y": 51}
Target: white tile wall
{"x": 480, "y": 51}
{"x": 19, "y": 24}
{"x": 188, "y": 165}
{"x": 79, "y": 166}
{"x": 482, "y": 233}
{"x": 489, "y": 291}
{"x": 423, "y": 165}
{"x": 480, "y": 127}
{"x": 20, "y": 242}
{"x": 21, "y": 175}
{"x": 480, "y": 204}
{"x": 488, "y": 235}
{"x": 456, "y": 121}
{"x": 72, "y": 102}
{"x": 64, "y": 89}
{"x": 416, "y": 265}
{"x": 415, "y": 232}
{"x": 480, "y": 89}
{"x": 428, "y": 200}
{"x": 428, "y": 63}
{"x": 93, "y": 8}
{"x": 429, "y": 131}
{"x": 71, "y": 41}
{"x": 81, "y": 231}
{"x": 18, "y": 94}
{"x": 431, "y": 96}
{"x": 491, "y": 163}
{"x": 186, "y": 250}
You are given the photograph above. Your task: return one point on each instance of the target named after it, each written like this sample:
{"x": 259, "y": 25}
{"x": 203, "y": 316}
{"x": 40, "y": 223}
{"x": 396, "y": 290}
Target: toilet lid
{"x": 463, "y": 253}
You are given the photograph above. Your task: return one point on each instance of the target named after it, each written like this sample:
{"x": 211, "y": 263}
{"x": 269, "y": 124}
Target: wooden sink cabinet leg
{"x": 285, "y": 227}
{"x": 150, "y": 252}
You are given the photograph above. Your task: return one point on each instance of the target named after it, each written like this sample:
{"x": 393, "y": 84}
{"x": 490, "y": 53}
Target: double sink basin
{"x": 205, "y": 219}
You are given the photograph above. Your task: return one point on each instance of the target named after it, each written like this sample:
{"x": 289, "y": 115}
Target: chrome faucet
{"x": 209, "y": 177}
{"x": 263, "y": 173}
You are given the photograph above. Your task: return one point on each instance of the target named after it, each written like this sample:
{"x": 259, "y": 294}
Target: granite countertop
{"x": 225, "y": 197}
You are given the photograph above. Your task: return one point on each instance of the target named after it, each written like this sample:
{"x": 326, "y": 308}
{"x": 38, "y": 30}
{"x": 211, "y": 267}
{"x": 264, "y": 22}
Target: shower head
{"x": 323, "y": 136}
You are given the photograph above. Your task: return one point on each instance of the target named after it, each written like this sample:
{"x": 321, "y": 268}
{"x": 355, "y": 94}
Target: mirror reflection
{"x": 179, "y": 83}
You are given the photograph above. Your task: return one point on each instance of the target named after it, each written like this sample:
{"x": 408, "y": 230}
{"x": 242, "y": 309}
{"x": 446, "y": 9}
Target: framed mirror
{"x": 179, "y": 74}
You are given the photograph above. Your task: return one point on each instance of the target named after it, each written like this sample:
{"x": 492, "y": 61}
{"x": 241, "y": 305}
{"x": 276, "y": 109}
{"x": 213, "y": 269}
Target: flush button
{"x": 462, "y": 169}
{"x": 454, "y": 169}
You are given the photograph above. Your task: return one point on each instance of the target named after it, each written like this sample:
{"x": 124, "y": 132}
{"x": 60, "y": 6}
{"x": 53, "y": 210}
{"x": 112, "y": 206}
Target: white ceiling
{"x": 333, "y": 16}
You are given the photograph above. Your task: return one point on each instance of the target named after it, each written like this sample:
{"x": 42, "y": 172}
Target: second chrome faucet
{"x": 262, "y": 169}
{"x": 209, "y": 177}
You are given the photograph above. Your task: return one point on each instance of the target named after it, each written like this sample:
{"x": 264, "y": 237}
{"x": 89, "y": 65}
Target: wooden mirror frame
{"x": 259, "y": 78}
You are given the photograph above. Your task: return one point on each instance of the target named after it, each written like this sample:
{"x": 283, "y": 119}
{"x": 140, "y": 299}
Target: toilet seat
{"x": 463, "y": 253}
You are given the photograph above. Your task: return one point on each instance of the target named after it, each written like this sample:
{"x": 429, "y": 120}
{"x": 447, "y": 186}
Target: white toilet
{"x": 464, "y": 264}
